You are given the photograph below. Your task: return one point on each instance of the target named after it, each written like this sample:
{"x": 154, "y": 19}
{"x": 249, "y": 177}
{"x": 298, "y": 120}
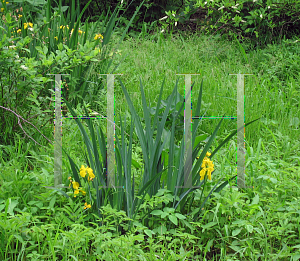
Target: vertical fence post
{"x": 111, "y": 131}
{"x": 58, "y": 132}
{"x": 188, "y": 146}
{"x": 241, "y": 130}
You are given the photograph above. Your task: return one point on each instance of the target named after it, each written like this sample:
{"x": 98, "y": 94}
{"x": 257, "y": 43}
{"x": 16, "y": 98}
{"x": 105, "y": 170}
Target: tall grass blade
{"x": 125, "y": 161}
{"x": 186, "y": 193}
{"x": 213, "y": 190}
{"x": 196, "y": 169}
{"x": 143, "y": 190}
{"x": 197, "y": 121}
{"x": 242, "y": 50}
{"x": 124, "y": 32}
{"x": 229, "y": 137}
{"x": 75, "y": 169}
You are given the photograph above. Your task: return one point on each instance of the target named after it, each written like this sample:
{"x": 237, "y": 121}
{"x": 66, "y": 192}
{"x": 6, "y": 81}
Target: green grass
{"x": 263, "y": 224}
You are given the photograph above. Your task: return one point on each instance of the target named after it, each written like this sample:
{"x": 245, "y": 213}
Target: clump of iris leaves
{"x": 156, "y": 149}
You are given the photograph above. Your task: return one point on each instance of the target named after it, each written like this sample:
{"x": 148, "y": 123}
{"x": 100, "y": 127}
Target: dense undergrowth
{"x": 38, "y": 222}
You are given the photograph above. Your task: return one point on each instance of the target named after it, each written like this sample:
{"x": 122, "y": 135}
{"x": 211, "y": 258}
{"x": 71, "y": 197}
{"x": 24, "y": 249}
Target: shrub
{"x": 259, "y": 21}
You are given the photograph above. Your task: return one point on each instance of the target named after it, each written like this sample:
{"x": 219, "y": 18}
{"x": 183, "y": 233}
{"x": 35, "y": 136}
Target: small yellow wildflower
{"x": 76, "y": 188}
{"x": 19, "y": 31}
{"x": 7, "y": 3}
{"x": 91, "y": 174}
{"x": 55, "y": 37}
{"x": 87, "y": 205}
{"x": 82, "y": 171}
{"x": 80, "y": 32}
{"x": 207, "y": 167}
{"x": 76, "y": 192}
{"x": 2, "y": 9}
{"x": 20, "y": 16}
{"x": 26, "y": 25}
{"x": 97, "y": 36}
{"x": 75, "y": 185}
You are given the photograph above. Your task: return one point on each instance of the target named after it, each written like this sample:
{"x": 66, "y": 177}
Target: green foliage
{"x": 152, "y": 179}
{"x": 14, "y": 91}
{"x": 149, "y": 12}
{"x": 48, "y": 45}
{"x": 212, "y": 222}
{"x": 259, "y": 22}
{"x": 176, "y": 103}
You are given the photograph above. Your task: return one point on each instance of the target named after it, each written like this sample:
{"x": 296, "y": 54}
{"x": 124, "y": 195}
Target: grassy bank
{"x": 263, "y": 224}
